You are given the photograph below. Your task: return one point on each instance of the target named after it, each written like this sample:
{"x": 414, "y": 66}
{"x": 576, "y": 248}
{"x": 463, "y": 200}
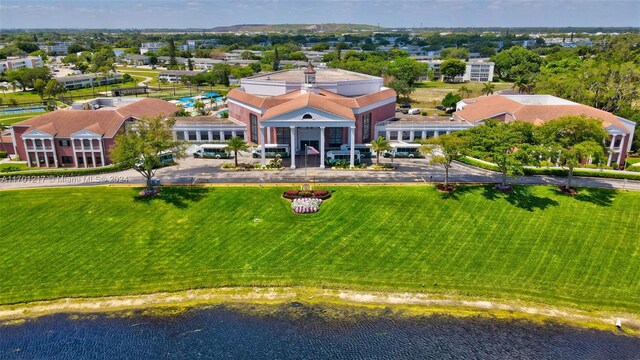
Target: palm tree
{"x": 488, "y": 89}
{"x": 199, "y": 105}
{"x": 380, "y": 145}
{"x": 523, "y": 85}
{"x": 236, "y": 144}
{"x": 464, "y": 92}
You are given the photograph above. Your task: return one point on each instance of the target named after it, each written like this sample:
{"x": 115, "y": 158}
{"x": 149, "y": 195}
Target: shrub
{"x": 319, "y": 193}
{"x": 291, "y": 193}
{"x": 228, "y": 166}
{"x": 10, "y": 169}
{"x": 3, "y": 154}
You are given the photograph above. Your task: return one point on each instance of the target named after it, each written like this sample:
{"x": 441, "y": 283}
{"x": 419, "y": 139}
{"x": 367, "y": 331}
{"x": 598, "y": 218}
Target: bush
{"x": 228, "y": 166}
{"x": 316, "y": 194}
{"x": 10, "y": 169}
{"x": 320, "y": 193}
{"x": 3, "y": 154}
{"x": 291, "y": 193}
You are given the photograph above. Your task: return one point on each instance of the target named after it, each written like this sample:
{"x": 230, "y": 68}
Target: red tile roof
{"x": 104, "y": 122}
{"x": 485, "y": 107}
{"x": 325, "y": 100}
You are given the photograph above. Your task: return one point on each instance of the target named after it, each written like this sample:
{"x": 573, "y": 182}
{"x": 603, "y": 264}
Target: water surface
{"x": 304, "y": 333}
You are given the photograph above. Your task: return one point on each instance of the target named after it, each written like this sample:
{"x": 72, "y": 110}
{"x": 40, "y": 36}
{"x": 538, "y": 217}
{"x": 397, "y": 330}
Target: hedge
{"x": 553, "y": 171}
{"x": 62, "y": 172}
{"x": 3, "y": 154}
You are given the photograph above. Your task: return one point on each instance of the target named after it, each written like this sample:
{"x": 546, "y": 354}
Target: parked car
{"x": 450, "y": 110}
{"x": 441, "y": 108}
{"x": 405, "y": 106}
{"x": 414, "y": 111}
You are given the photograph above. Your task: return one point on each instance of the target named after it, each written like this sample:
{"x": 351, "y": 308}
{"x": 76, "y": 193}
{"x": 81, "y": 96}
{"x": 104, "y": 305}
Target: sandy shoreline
{"x": 407, "y": 303}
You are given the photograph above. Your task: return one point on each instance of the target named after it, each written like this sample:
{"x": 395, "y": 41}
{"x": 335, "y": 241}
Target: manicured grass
{"x": 30, "y": 96}
{"x": 20, "y": 166}
{"x": 533, "y": 244}
{"x": 429, "y": 94}
{"x": 9, "y": 119}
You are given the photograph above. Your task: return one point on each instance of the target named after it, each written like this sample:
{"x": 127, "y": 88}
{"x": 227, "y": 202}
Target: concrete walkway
{"x": 207, "y": 171}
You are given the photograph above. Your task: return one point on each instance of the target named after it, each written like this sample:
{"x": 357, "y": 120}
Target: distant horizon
{"x": 408, "y": 14}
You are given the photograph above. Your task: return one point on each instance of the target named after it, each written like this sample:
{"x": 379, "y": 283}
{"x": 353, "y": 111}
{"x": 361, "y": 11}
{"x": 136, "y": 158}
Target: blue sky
{"x": 388, "y": 13}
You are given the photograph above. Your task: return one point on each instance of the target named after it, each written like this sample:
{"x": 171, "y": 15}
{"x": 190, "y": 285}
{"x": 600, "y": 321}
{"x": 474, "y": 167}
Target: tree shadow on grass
{"x": 597, "y": 196}
{"x": 178, "y": 196}
{"x": 520, "y": 197}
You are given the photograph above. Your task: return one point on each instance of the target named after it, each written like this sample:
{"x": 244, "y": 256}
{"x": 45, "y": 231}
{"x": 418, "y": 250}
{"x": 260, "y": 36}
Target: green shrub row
{"x": 62, "y": 172}
{"x": 3, "y": 154}
{"x": 554, "y": 172}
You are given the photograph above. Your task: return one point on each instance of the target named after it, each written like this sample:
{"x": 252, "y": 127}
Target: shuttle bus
{"x": 341, "y": 155}
{"x": 365, "y": 149}
{"x": 272, "y": 151}
{"x": 403, "y": 150}
{"x": 212, "y": 151}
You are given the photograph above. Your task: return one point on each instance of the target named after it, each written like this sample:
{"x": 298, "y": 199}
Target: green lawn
{"x": 9, "y": 119}
{"x": 429, "y": 94}
{"x": 533, "y": 244}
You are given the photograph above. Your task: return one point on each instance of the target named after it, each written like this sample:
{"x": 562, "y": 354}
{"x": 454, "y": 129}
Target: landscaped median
{"x": 529, "y": 170}
{"x": 533, "y": 245}
{"x": 62, "y": 172}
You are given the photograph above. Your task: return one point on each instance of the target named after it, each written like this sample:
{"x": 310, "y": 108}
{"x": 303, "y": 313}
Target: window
{"x": 38, "y": 143}
{"x": 64, "y": 142}
{"x": 307, "y": 116}
{"x": 406, "y": 135}
{"x": 215, "y": 136}
{"x": 180, "y": 135}
{"x": 228, "y": 135}
{"x": 366, "y": 128}
{"x": 67, "y": 160}
{"x": 283, "y": 135}
{"x": 204, "y": 135}
{"x": 253, "y": 123}
{"x": 240, "y": 133}
{"x": 335, "y": 137}
{"x": 192, "y": 136}
{"x": 417, "y": 135}
{"x": 86, "y": 143}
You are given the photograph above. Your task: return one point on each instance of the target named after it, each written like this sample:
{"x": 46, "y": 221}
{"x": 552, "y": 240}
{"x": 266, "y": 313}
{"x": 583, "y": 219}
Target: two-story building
{"x": 82, "y": 136}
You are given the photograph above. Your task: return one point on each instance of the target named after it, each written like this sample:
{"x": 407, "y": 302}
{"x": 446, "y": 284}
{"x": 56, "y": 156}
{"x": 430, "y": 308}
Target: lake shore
{"x": 404, "y": 304}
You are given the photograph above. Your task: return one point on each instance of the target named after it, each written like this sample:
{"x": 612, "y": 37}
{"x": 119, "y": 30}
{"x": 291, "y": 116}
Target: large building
{"x": 82, "y": 136}
{"x": 324, "y": 108}
{"x": 15, "y": 63}
{"x": 151, "y": 47}
{"x": 82, "y": 81}
{"x": 538, "y": 109}
{"x": 59, "y": 48}
{"x": 475, "y": 71}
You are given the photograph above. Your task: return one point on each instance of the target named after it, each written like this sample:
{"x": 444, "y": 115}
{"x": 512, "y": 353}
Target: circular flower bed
{"x": 296, "y": 194}
{"x": 305, "y": 205}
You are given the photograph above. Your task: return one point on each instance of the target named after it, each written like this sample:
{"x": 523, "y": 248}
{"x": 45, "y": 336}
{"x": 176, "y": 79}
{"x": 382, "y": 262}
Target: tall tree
{"x": 236, "y": 144}
{"x": 444, "y": 150}
{"x": 172, "y": 53}
{"x": 276, "y": 59}
{"x": 516, "y": 61}
{"x": 401, "y": 87}
{"x": 572, "y": 140}
{"x": 142, "y": 146}
{"x": 379, "y": 146}
{"x": 464, "y": 91}
{"x": 452, "y": 68}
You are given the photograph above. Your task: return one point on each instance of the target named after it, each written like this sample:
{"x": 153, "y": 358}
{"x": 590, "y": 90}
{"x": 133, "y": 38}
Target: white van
{"x": 414, "y": 111}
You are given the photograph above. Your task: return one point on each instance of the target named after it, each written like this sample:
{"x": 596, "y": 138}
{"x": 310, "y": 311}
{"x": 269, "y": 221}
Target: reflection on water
{"x": 222, "y": 333}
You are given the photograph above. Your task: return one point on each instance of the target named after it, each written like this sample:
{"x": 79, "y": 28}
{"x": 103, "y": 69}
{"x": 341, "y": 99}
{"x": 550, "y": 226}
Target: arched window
{"x": 307, "y": 116}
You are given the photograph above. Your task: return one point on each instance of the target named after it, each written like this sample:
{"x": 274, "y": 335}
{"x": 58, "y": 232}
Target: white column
{"x": 411, "y": 135}
{"x": 210, "y": 133}
{"x": 84, "y": 154}
{"x": 35, "y": 149}
{"x": 352, "y": 141}
{"x": 448, "y": 132}
{"x": 75, "y": 154}
{"x": 198, "y": 135}
{"x": 424, "y": 134}
{"x": 400, "y": 135}
{"x": 44, "y": 153}
{"x": 613, "y": 141}
{"x": 222, "y": 136}
{"x": 55, "y": 154}
{"x": 93, "y": 154}
{"x": 263, "y": 158}
{"x": 102, "y": 151}
{"x": 620, "y": 150}
{"x": 322, "y": 147}
{"x": 293, "y": 147}
{"x": 26, "y": 151}
{"x": 436, "y": 133}
{"x": 233, "y": 133}
{"x": 268, "y": 135}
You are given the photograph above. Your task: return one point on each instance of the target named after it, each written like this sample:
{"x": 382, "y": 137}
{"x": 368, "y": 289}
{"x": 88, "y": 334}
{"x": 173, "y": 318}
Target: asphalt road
{"x": 207, "y": 171}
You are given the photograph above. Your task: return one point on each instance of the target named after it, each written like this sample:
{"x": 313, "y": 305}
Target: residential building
{"x": 135, "y": 59}
{"x": 175, "y": 76}
{"x": 323, "y": 108}
{"x": 476, "y": 70}
{"x": 151, "y": 46}
{"x": 59, "y": 48}
{"x": 88, "y": 80}
{"x": 82, "y": 136}
{"x": 14, "y": 63}
{"x": 191, "y": 45}
{"x": 538, "y": 109}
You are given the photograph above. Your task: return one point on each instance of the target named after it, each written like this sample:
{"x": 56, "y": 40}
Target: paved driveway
{"x": 206, "y": 171}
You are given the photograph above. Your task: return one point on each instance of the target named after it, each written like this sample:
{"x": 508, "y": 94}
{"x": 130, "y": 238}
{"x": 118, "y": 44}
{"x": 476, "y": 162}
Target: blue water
{"x": 22, "y": 110}
{"x": 303, "y": 333}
